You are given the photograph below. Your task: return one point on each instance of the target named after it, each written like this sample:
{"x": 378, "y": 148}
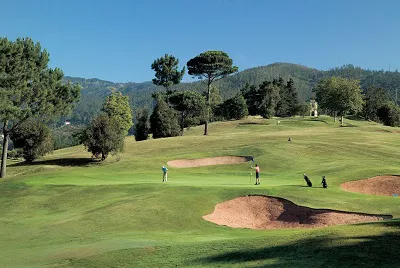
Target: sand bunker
{"x": 262, "y": 212}
{"x": 380, "y": 185}
{"x": 221, "y": 160}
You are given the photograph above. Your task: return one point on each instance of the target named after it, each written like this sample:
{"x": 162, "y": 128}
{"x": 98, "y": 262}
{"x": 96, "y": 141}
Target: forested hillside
{"x": 305, "y": 78}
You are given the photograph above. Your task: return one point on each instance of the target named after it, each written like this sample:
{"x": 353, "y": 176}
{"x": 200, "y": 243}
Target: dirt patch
{"x": 263, "y": 212}
{"x": 220, "y": 160}
{"x": 380, "y": 185}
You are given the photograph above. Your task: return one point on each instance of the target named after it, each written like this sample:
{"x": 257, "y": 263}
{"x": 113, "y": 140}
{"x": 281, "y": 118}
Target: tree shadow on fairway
{"x": 326, "y": 251}
{"x": 59, "y": 162}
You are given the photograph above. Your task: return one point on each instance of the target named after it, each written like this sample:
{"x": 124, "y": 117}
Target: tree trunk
{"x": 208, "y": 107}
{"x": 334, "y": 116}
{"x": 183, "y": 122}
{"x": 4, "y": 151}
{"x": 341, "y": 120}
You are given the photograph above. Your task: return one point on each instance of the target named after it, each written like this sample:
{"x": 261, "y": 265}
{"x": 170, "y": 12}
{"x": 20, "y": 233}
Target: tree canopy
{"x": 339, "y": 95}
{"x": 164, "y": 121}
{"x": 103, "y": 136}
{"x": 190, "y": 105}
{"x": 28, "y": 88}
{"x": 117, "y": 106}
{"x": 167, "y": 73}
{"x": 34, "y": 138}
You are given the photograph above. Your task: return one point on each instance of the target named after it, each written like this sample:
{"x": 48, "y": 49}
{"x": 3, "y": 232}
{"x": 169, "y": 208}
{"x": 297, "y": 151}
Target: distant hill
{"x": 305, "y": 78}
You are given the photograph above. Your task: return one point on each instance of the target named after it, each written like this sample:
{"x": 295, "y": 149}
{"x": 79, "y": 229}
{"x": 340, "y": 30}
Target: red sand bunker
{"x": 263, "y": 212}
{"x": 380, "y": 185}
{"x": 221, "y": 160}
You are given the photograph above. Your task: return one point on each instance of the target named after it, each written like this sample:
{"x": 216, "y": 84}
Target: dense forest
{"x": 305, "y": 79}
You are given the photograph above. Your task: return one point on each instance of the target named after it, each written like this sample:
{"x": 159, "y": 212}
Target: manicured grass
{"x": 66, "y": 211}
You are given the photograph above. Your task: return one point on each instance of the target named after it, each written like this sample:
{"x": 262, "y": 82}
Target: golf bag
{"x": 309, "y": 183}
{"x": 324, "y": 184}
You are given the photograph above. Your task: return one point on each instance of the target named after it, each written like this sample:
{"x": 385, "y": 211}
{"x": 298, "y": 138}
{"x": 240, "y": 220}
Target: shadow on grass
{"x": 59, "y": 162}
{"x": 316, "y": 120}
{"x": 327, "y": 251}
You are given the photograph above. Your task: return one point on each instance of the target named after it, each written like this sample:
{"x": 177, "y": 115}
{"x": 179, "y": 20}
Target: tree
{"x": 142, "y": 127}
{"x": 270, "y": 98}
{"x": 117, "y": 106}
{"x": 289, "y": 103}
{"x": 164, "y": 121}
{"x": 210, "y": 65}
{"x": 103, "y": 136}
{"x": 191, "y": 106}
{"x": 389, "y": 114}
{"x": 375, "y": 98}
{"x": 304, "y": 109}
{"x": 253, "y": 97}
{"x": 167, "y": 73}
{"x": 34, "y": 138}
{"x": 28, "y": 88}
{"x": 233, "y": 108}
{"x": 339, "y": 96}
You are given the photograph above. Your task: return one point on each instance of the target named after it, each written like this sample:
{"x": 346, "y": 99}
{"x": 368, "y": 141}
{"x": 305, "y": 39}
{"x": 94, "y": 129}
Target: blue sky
{"x": 118, "y": 40}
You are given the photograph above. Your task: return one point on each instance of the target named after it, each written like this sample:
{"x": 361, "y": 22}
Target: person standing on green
{"x": 257, "y": 168}
{"x": 165, "y": 173}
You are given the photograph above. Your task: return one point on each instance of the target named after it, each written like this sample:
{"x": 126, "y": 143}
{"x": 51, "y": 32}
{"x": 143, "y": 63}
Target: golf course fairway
{"x": 67, "y": 211}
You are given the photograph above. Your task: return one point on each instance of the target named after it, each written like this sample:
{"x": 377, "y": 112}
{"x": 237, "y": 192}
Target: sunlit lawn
{"x": 66, "y": 211}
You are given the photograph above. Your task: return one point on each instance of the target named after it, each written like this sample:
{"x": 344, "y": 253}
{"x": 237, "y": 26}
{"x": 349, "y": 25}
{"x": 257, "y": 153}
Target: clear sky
{"x": 118, "y": 40}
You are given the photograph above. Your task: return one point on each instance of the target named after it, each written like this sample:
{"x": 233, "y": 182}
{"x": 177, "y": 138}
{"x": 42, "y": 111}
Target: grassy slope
{"x": 67, "y": 212}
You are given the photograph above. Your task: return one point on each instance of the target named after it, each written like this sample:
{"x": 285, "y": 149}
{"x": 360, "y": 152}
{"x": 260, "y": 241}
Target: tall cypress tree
{"x": 142, "y": 127}
{"x": 289, "y": 103}
{"x": 164, "y": 121}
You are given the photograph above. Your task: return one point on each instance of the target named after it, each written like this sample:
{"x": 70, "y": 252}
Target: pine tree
{"x": 142, "y": 127}
{"x": 28, "y": 88}
{"x": 211, "y": 65}
{"x": 164, "y": 121}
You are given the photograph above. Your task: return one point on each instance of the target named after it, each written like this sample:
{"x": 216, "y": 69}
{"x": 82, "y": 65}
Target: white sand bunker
{"x": 263, "y": 212}
{"x": 220, "y": 160}
{"x": 380, "y": 185}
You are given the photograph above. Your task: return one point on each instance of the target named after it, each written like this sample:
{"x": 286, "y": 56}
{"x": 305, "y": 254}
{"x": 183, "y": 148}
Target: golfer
{"x": 165, "y": 173}
{"x": 257, "y": 168}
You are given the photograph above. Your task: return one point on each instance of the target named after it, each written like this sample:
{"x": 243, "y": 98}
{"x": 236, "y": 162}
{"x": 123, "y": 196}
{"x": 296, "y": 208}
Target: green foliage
{"x": 233, "y": 108}
{"x": 191, "y": 106}
{"x": 210, "y": 65}
{"x": 389, "y": 114}
{"x": 339, "y": 95}
{"x": 167, "y": 73}
{"x": 28, "y": 88}
{"x": 164, "y": 121}
{"x": 117, "y": 106}
{"x": 304, "y": 109}
{"x": 375, "y": 98}
{"x": 142, "y": 127}
{"x": 289, "y": 103}
{"x": 16, "y": 153}
{"x": 253, "y": 98}
{"x": 103, "y": 136}
{"x": 66, "y": 136}
{"x": 305, "y": 79}
{"x": 271, "y": 98}
{"x": 34, "y": 138}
